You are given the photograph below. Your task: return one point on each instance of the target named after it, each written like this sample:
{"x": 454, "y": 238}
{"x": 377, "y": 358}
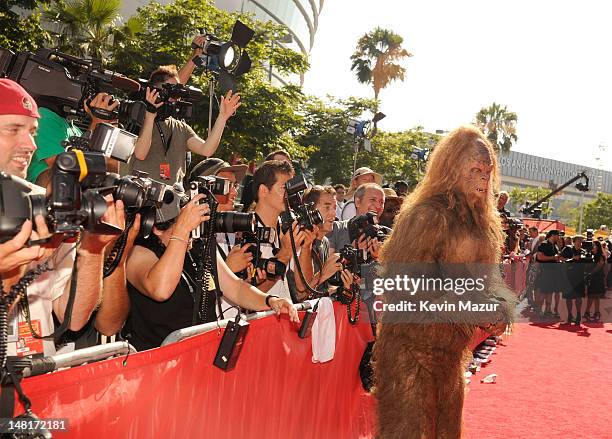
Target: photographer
{"x": 360, "y": 176}
{"x": 325, "y": 264}
{"x": 368, "y": 198}
{"x": 49, "y": 292}
{"x": 164, "y": 144}
{"x": 161, "y": 286}
{"x": 269, "y": 189}
{"x": 236, "y": 256}
{"x": 502, "y": 199}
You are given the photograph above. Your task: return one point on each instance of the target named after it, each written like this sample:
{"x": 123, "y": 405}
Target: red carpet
{"x": 552, "y": 382}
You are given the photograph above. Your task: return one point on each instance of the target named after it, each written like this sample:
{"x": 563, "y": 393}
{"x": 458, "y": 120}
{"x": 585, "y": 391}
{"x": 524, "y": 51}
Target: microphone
{"x": 124, "y": 83}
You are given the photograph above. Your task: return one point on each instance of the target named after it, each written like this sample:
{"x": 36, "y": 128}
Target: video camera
{"x": 111, "y": 141}
{"x": 306, "y": 214}
{"x": 68, "y": 82}
{"x": 178, "y": 103}
{"x": 367, "y": 224}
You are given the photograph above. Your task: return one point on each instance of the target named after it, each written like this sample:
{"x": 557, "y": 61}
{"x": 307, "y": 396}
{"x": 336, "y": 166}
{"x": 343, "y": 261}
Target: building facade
{"x": 301, "y": 17}
{"x": 520, "y": 170}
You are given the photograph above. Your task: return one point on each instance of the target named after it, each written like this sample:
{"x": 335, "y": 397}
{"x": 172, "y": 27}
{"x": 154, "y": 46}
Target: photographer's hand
{"x": 185, "y": 72}
{"x": 13, "y": 254}
{"x": 237, "y": 259}
{"x": 229, "y": 105}
{"x": 95, "y": 243}
{"x": 191, "y": 216}
{"x": 372, "y": 245}
{"x": 145, "y": 136}
{"x": 102, "y": 101}
{"x": 286, "y": 251}
{"x": 348, "y": 279}
{"x": 199, "y": 41}
{"x": 283, "y": 306}
{"x": 331, "y": 266}
{"x": 151, "y": 96}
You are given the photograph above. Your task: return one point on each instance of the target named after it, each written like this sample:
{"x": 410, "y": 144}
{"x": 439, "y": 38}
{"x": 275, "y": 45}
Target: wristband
{"x": 151, "y": 108}
{"x": 268, "y": 297}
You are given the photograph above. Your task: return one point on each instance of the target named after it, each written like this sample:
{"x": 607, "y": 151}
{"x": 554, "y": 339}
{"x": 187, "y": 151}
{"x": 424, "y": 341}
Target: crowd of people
{"x": 153, "y": 290}
{"x": 560, "y": 267}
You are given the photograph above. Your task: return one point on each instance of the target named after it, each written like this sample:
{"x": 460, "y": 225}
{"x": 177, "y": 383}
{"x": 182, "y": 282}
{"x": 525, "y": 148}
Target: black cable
{"x": 114, "y": 257}
{"x": 206, "y": 267}
{"x": 313, "y": 292}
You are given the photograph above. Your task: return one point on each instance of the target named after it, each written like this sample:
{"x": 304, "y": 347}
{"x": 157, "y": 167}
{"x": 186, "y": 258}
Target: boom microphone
{"x": 124, "y": 83}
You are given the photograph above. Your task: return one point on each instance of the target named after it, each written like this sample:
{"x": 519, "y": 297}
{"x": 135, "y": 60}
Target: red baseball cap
{"x": 15, "y": 100}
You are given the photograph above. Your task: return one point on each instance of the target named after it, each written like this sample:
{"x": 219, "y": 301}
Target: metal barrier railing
{"x": 190, "y": 331}
{"x": 78, "y": 357}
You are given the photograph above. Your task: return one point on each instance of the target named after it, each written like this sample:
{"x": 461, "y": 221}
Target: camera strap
{"x": 163, "y": 137}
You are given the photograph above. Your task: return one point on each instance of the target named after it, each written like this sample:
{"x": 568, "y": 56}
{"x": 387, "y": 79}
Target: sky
{"x": 548, "y": 61}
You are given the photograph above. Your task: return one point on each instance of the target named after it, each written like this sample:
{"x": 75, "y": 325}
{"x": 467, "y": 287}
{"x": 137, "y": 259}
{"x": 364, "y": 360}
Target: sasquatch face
{"x": 477, "y": 172}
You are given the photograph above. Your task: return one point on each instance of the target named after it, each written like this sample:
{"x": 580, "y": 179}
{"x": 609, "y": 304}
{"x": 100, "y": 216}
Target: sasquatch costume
{"x": 450, "y": 220}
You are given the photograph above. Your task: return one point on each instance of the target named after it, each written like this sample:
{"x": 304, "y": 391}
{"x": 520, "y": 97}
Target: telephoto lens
{"x": 230, "y": 222}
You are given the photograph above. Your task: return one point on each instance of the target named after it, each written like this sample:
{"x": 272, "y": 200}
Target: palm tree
{"x": 499, "y": 125}
{"x": 375, "y": 60}
{"x": 85, "y": 26}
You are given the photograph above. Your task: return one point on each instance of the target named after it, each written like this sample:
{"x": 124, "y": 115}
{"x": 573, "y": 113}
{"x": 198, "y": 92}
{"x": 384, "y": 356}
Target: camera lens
{"x": 230, "y": 222}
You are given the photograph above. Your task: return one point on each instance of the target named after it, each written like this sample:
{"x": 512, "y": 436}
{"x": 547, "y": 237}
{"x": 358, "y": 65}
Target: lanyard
{"x": 163, "y": 137}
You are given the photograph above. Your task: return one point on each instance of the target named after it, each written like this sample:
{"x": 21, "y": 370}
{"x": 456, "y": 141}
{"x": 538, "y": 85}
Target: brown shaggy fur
{"x": 419, "y": 367}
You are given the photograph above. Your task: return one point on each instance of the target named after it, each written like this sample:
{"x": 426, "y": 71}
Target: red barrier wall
{"x": 174, "y": 392}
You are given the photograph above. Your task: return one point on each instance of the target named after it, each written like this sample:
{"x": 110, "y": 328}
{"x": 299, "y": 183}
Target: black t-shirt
{"x": 568, "y": 254}
{"x": 549, "y": 249}
{"x": 150, "y": 322}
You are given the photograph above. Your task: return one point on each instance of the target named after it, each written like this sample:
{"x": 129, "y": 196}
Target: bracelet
{"x": 176, "y": 238}
{"x": 268, "y": 297}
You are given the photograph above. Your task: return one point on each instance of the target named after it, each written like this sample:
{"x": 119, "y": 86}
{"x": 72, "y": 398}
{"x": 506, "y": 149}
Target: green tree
{"x": 518, "y": 198}
{"x": 20, "y": 32}
{"x": 269, "y": 117}
{"x": 499, "y": 125}
{"x": 332, "y": 149}
{"x": 376, "y": 59}
{"x": 86, "y": 27}
{"x": 596, "y": 213}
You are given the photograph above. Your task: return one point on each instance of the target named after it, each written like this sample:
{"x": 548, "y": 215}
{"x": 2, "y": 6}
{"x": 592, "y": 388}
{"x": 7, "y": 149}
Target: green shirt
{"x": 52, "y": 131}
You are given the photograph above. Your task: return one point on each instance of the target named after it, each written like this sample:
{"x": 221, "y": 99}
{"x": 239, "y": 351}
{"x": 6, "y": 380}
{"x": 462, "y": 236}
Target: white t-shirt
{"x": 281, "y": 287}
{"x": 41, "y": 293}
{"x": 349, "y": 210}
{"x": 224, "y": 242}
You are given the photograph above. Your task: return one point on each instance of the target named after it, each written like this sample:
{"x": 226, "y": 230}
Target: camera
{"x": 140, "y": 194}
{"x": 272, "y": 266}
{"x": 111, "y": 141}
{"x": 306, "y": 214}
{"x": 207, "y": 185}
{"x": 231, "y": 222}
{"x": 587, "y": 244}
{"x": 78, "y": 182}
{"x": 70, "y": 205}
{"x": 511, "y": 224}
{"x": 68, "y": 82}
{"x": 350, "y": 259}
{"x": 367, "y": 224}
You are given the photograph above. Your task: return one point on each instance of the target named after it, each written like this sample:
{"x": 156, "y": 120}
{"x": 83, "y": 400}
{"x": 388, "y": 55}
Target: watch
{"x": 268, "y": 297}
